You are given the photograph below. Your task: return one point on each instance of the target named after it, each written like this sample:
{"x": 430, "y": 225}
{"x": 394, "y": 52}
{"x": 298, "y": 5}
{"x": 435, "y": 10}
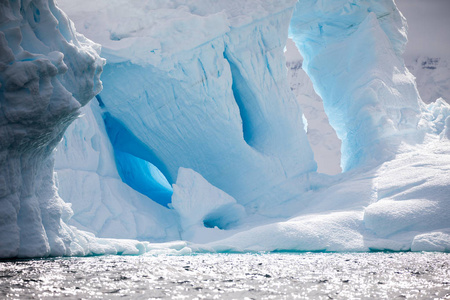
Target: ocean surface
{"x": 231, "y": 276}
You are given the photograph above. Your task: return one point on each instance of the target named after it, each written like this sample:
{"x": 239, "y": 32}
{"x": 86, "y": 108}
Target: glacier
{"x": 203, "y": 140}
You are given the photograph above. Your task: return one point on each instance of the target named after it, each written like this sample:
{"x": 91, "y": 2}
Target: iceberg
{"x": 202, "y": 141}
{"x": 202, "y": 106}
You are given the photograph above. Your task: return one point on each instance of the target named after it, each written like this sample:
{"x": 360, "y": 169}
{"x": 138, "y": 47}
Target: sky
{"x": 429, "y": 27}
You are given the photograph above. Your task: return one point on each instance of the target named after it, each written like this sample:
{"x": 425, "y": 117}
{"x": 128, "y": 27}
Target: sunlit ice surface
{"x": 378, "y": 275}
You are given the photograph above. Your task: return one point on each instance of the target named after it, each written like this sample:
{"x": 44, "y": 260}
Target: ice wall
{"x": 47, "y": 72}
{"x": 352, "y": 53}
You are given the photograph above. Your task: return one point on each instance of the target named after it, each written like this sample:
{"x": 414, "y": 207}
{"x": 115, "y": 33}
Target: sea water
{"x": 231, "y": 276}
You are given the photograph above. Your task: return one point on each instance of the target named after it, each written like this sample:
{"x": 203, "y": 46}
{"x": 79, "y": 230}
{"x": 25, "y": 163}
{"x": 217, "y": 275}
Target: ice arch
{"x": 187, "y": 107}
{"x": 211, "y": 96}
{"x": 352, "y": 52}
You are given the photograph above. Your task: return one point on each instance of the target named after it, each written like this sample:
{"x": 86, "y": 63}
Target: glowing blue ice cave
{"x": 134, "y": 162}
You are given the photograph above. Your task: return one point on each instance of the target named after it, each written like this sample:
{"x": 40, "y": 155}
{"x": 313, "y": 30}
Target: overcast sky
{"x": 429, "y": 27}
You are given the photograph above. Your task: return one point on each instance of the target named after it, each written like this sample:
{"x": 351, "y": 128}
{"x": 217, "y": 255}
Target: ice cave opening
{"x": 136, "y": 163}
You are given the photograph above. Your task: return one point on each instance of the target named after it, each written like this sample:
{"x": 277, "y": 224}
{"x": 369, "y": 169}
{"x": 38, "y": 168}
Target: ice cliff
{"x": 197, "y": 133}
{"x": 218, "y": 104}
{"x": 47, "y": 72}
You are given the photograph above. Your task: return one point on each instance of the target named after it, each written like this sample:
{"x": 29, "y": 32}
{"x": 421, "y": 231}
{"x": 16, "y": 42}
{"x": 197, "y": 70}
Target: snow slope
{"x": 401, "y": 205}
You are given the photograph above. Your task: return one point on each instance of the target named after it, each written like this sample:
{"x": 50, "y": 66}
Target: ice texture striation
{"x": 217, "y": 103}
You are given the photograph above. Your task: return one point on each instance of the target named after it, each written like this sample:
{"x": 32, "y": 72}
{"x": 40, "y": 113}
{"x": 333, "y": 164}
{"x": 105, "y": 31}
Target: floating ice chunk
{"x": 85, "y": 243}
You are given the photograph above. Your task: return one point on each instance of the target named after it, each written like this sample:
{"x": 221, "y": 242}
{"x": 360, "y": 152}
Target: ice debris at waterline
{"x": 197, "y": 134}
